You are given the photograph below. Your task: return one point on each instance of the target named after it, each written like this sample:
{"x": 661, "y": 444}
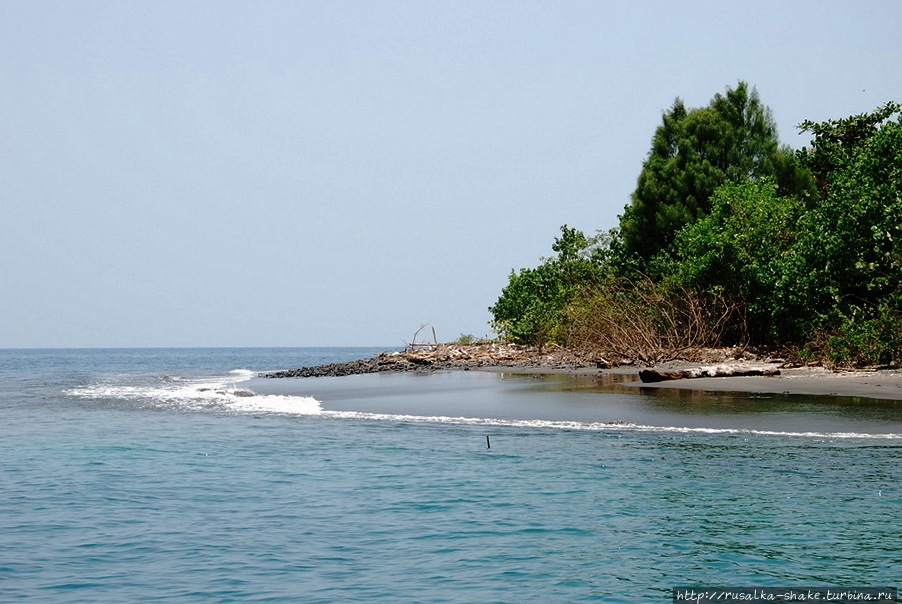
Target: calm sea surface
{"x": 177, "y": 475}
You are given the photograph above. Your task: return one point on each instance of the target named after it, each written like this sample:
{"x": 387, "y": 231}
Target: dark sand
{"x": 877, "y": 384}
{"x": 800, "y": 401}
{"x": 881, "y": 384}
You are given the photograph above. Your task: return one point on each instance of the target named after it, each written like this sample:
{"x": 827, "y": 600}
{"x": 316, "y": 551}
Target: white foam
{"x": 216, "y": 393}
{"x": 596, "y": 426}
{"x": 291, "y": 405}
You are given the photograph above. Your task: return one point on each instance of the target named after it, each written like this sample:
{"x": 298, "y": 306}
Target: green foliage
{"x": 830, "y": 266}
{"x": 732, "y": 140}
{"x": 741, "y": 248}
{"x": 849, "y": 251}
{"x": 527, "y": 312}
{"x": 730, "y": 239}
{"x": 835, "y": 141}
{"x": 466, "y": 339}
{"x": 876, "y": 340}
{"x": 530, "y": 306}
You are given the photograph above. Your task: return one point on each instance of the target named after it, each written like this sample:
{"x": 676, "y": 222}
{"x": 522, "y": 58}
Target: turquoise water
{"x": 141, "y": 475}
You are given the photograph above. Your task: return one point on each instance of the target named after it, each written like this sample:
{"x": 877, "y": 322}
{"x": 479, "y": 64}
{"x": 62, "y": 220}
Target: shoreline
{"x": 885, "y": 384}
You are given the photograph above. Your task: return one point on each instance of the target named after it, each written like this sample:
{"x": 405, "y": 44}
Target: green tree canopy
{"x": 830, "y": 266}
{"x": 836, "y": 141}
{"x": 849, "y": 252}
{"x": 740, "y": 249}
{"x": 730, "y": 239}
{"x": 530, "y": 306}
{"x": 733, "y": 139}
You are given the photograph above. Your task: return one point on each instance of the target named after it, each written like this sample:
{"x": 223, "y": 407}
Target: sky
{"x": 339, "y": 173}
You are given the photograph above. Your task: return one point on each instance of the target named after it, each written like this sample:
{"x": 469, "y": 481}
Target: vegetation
{"x": 732, "y": 140}
{"x": 531, "y": 307}
{"x": 731, "y": 239}
{"x": 646, "y": 321}
{"x": 468, "y": 339}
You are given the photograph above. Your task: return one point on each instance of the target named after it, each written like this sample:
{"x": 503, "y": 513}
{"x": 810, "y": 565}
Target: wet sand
{"x": 880, "y": 384}
{"x": 885, "y": 384}
{"x": 819, "y": 381}
{"x": 803, "y": 401}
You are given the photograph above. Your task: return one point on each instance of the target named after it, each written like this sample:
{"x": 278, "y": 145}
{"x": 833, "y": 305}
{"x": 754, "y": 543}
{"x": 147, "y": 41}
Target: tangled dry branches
{"x": 649, "y": 322}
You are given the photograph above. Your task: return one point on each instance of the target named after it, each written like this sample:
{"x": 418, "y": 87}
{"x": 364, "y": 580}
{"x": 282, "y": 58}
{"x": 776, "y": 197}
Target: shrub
{"x": 741, "y": 248}
{"x": 650, "y": 322}
{"x": 859, "y": 342}
{"x": 529, "y": 310}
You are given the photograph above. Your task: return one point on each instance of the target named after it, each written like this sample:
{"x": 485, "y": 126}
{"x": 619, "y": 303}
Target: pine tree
{"x": 733, "y": 139}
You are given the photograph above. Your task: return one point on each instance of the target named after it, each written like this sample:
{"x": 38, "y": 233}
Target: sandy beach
{"x": 878, "y": 384}
{"x": 798, "y": 401}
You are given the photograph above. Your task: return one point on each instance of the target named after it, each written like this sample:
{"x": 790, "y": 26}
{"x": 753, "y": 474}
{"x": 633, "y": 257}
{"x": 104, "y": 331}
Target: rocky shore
{"x": 488, "y": 356}
{"x": 449, "y": 356}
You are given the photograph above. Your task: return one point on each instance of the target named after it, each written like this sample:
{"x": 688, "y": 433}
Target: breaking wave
{"x": 220, "y": 393}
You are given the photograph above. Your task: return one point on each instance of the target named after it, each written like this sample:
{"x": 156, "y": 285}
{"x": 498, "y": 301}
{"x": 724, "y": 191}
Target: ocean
{"x": 134, "y": 475}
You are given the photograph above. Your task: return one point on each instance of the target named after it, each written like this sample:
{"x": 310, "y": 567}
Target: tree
{"x": 529, "y": 310}
{"x": 825, "y": 270}
{"x": 847, "y": 262}
{"x": 733, "y": 139}
{"x": 836, "y": 141}
{"x": 739, "y": 250}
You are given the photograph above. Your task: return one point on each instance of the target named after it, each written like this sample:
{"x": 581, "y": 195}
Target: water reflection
{"x": 726, "y": 409}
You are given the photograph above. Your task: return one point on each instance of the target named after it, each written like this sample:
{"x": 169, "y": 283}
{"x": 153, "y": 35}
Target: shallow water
{"x": 586, "y": 403}
{"x": 141, "y": 475}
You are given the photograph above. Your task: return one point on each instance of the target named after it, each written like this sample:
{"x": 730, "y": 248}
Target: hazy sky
{"x": 268, "y": 173}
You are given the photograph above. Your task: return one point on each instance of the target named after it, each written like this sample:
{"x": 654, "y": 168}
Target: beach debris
{"x": 413, "y": 343}
{"x": 437, "y": 357}
{"x": 653, "y": 375}
{"x": 493, "y": 354}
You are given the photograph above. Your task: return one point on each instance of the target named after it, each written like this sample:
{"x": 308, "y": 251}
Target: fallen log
{"x": 652, "y": 375}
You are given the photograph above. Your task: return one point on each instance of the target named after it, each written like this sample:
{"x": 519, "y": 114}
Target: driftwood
{"x": 448, "y": 356}
{"x": 651, "y": 375}
{"x": 413, "y": 342}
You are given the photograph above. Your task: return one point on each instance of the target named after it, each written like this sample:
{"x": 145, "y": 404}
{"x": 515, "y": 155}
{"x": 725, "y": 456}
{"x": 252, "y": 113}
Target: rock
{"x": 437, "y": 358}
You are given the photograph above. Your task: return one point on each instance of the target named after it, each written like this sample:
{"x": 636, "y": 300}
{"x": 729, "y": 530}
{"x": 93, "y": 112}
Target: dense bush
{"x": 742, "y": 249}
{"x": 757, "y": 263}
{"x": 530, "y": 308}
{"x": 731, "y": 140}
{"x": 864, "y": 340}
{"x": 648, "y": 321}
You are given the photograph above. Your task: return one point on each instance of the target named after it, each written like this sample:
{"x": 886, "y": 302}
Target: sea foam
{"x": 596, "y": 426}
{"x": 221, "y": 393}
